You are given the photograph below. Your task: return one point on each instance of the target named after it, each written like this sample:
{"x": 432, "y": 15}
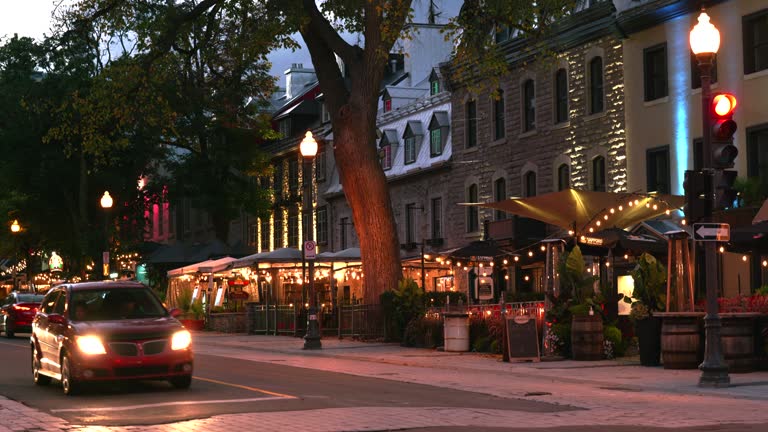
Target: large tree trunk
{"x": 365, "y": 188}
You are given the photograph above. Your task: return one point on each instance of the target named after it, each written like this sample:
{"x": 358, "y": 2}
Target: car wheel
{"x": 9, "y": 331}
{"x": 182, "y": 382}
{"x": 70, "y": 385}
{"x": 39, "y": 378}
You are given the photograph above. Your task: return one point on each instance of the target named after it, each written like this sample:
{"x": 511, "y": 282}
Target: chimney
{"x": 296, "y": 79}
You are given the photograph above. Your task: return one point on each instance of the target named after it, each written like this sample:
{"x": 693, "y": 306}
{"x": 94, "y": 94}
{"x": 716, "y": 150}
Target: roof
{"x": 105, "y": 284}
{"x": 439, "y": 119}
{"x": 305, "y": 107}
{"x": 414, "y": 127}
{"x": 208, "y": 266}
{"x": 389, "y": 136}
{"x": 405, "y": 92}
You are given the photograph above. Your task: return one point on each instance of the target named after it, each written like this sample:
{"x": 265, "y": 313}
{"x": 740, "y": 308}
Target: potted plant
{"x": 648, "y": 297}
{"x": 191, "y": 312}
{"x": 586, "y": 313}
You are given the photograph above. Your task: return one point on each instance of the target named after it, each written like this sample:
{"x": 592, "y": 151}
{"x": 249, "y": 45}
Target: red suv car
{"x": 102, "y": 331}
{"x": 18, "y": 310}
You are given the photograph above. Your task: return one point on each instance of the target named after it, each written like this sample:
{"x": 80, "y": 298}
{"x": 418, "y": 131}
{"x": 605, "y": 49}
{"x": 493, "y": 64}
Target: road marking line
{"x": 245, "y": 387}
{"x": 133, "y": 407}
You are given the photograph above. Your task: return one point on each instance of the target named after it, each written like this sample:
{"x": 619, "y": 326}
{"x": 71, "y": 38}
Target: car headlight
{"x": 90, "y": 345}
{"x": 181, "y": 340}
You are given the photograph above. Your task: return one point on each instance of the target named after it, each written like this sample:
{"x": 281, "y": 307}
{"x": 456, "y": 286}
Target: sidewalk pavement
{"x": 610, "y": 392}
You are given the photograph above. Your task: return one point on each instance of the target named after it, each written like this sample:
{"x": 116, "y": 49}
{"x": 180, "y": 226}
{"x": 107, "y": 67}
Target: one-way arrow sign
{"x": 712, "y": 232}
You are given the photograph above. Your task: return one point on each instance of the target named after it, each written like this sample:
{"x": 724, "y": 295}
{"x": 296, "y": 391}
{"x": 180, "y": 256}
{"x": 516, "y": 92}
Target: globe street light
{"x": 705, "y": 41}
{"x": 15, "y": 227}
{"x": 106, "y": 203}
{"x": 308, "y": 149}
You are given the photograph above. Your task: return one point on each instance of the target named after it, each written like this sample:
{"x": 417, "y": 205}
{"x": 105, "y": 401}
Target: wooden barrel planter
{"x": 587, "y": 338}
{"x": 761, "y": 342}
{"x": 682, "y": 346}
{"x": 738, "y": 336}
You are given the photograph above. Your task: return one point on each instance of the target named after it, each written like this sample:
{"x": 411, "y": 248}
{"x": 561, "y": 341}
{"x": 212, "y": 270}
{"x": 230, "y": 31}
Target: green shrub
{"x": 482, "y": 344}
{"x": 401, "y": 306}
{"x": 184, "y": 300}
{"x": 613, "y": 334}
{"x": 424, "y": 332}
{"x": 562, "y": 333}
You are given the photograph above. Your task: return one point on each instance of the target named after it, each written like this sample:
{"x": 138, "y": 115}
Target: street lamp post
{"x": 705, "y": 41}
{"x": 308, "y": 149}
{"x": 106, "y": 204}
{"x": 15, "y": 229}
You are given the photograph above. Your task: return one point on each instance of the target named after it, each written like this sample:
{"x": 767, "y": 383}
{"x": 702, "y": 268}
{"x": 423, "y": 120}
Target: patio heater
{"x": 308, "y": 148}
{"x": 705, "y": 41}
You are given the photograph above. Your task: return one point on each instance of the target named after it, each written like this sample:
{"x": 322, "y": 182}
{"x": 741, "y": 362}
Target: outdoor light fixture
{"x": 308, "y": 149}
{"x": 106, "y": 200}
{"x": 15, "y": 227}
{"x": 705, "y": 41}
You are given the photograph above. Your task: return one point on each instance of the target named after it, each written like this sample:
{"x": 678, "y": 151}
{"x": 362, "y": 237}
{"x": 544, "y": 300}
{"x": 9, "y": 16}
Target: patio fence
{"x": 357, "y": 321}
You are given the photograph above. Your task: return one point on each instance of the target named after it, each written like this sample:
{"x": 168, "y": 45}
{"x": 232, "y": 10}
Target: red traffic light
{"x": 723, "y": 105}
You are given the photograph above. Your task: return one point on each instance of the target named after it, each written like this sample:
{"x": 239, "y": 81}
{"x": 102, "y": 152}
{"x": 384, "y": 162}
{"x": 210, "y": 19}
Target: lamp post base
{"x": 714, "y": 370}
{"x": 714, "y": 377}
{"x": 312, "y": 338}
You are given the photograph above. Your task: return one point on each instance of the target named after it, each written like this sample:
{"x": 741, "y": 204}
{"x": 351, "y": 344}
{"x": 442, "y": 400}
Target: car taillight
{"x": 21, "y": 308}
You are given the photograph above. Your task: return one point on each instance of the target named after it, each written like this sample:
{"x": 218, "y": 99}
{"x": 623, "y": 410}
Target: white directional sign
{"x": 712, "y": 232}
{"x": 309, "y": 249}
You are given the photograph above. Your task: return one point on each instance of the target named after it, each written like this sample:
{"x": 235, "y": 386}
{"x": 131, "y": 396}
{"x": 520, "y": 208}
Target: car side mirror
{"x": 56, "y": 319}
{"x": 175, "y": 312}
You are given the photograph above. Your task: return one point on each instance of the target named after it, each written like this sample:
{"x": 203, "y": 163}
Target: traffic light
{"x": 698, "y": 195}
{"x": 725, "y": 194}
{"x": 723, "y": 128}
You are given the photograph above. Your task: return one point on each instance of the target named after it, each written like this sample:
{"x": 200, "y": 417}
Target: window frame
{"x": 320, "y": 166}
{"x": 499, "y": 118}
{"x": 651, "y": 169}
{"x": 409, "y": 149}
{"x": 530, "y": 179}
{"x": 599, "y": 186}
{"x": 500, "y": 194}
{"x": 321, "y": 216}
{"x": 560, "y": 177}
{"x": 528, "y": 92}
{"x": 473, "y": 212}
{"x": 470, "y": 111}
{"x": 652, "y": 78}
{"x": 561, "y": 96}
{"x": 436, "y": 206}
{"x": 750, "y": 49}
{"x": 387, "y": 104}
{"x": 264, "y": 233}
{"x": 596, "y": 85}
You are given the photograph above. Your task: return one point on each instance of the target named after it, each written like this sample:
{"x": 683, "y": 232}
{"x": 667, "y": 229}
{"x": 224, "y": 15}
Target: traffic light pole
{"x": 714, "y": 371}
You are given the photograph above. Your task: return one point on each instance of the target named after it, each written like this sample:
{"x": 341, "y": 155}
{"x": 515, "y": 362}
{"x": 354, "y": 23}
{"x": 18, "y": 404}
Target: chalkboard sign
{"x": 522, "y": 338}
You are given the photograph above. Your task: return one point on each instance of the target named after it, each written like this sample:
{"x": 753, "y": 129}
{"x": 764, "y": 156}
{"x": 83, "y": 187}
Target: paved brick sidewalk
{"x": 606, "y": 392}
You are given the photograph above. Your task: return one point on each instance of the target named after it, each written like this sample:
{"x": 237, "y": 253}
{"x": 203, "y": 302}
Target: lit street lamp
{"x": 106, "y": 204}
{"x": 15, "y": 229}
{"x": 705, "y": 41}
{"x": 308, "y": 149}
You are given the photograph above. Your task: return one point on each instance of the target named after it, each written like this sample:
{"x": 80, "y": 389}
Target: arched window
{"x": 598, "y": 174}
{"x": 530, "y": 184}
{"x": 500, "y": 194}
{"x": 596, "y": 85}
{"x": 563, "y": 177}
{"x": 473, "y": 215}
{"x": 561, "y": 96}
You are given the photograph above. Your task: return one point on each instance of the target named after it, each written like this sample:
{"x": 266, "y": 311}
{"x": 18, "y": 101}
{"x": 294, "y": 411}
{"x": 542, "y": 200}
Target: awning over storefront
{"x": 208, "y": 266}
{"x": 581, "y": 211}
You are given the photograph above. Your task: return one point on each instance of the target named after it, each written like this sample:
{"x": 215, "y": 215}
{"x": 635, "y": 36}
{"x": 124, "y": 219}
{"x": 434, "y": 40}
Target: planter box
{"x": 739, "y": 339}
{"x": 682, "y": 341}
{"x": 648, "y": 333}
{"x": 233, "y": 322}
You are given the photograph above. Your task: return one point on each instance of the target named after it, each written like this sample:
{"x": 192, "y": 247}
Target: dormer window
{"x": 388, "y": 140}
{"x": 438, "y": 132}
{"x": 411, "y": 139}
{"x": 387, "y": 103}
{"x": 434, "y": 83}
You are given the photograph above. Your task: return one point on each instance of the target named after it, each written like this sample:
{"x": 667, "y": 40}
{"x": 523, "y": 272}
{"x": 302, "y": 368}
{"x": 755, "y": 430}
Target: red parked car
{"x": 106, "y": 331}
{"x": 18, "y": 311}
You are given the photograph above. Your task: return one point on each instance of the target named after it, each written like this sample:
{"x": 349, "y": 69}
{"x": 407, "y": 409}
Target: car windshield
{"x": 115, "y": 304}
{"x": 30, "y": 298}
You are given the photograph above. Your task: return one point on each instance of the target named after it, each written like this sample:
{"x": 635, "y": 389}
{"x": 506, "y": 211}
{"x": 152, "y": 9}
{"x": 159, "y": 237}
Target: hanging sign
{"x": 484, "y": 288}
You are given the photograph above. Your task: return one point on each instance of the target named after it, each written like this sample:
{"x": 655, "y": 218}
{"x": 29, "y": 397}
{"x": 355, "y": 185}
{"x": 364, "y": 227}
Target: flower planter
{"x": 649, "y": 339}
{"x": 738, "y": 338}
{"x": 227, "y": 322}
{"x": 587, "y": 338}
{"x": 682, "y": 344}
{"x": 193, "y": 324}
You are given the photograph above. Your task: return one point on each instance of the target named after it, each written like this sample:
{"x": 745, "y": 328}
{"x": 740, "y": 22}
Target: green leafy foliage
{"x": 613, "y": 334}
{"x": 402, "y": 305}
{"x": 424, "y": 332}
{"x": 648, "y": 295}
{"x": 438, "y": 299}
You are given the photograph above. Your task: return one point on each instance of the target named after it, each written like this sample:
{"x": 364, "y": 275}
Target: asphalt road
{"x": 223, "y": 385}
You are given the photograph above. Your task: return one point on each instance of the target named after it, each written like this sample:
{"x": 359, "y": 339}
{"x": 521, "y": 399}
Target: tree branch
{"x": 321, "y": 28}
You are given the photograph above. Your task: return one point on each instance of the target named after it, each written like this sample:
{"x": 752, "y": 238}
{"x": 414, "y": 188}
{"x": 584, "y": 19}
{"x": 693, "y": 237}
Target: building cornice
{"x": 654, "y": 13}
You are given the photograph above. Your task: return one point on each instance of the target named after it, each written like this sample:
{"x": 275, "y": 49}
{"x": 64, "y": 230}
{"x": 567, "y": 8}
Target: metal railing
{"x": 355, "y": 321}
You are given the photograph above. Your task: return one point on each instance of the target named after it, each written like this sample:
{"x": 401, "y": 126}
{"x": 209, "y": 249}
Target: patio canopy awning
{"x": 580, "y": 211}
{"x": 208, "y": 266}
